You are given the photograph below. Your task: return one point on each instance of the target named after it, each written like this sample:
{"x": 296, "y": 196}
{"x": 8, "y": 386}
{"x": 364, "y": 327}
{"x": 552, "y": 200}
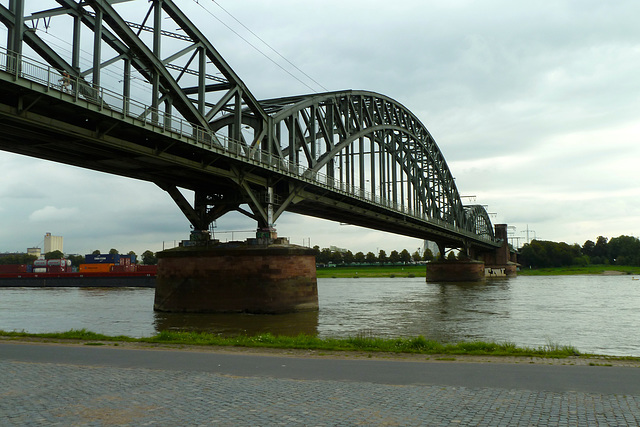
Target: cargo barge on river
{"x": 138, "y": 279}
{"x": 98, "y": 271}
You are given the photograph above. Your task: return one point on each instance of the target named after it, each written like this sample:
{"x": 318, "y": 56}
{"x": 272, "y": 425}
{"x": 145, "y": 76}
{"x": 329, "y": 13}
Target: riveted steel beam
{"x": 344, "y": 155}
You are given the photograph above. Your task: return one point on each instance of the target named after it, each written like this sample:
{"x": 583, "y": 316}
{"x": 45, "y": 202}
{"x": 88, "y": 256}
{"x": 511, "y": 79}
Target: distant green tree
{"x": 451, "y": 256}
{"x": 428, "y": 255}
{"x": 359, "y": 258}
{"x": 149, "y": 258}
{"x": 348, "y": 257}
{"x": 337, "y": 258}
{"x": 600, "y": 251}
{"x": 76, "y": 260}
{"x": 382, "y": 257}
{"x": 543, "y": 254}
{"x": 54, "y": 255}
{"x": 405, "y": 256}
{"x": 96, "y": 252}
{"x": 324, "y": 256}
{"x": 371, "y": 258}
{"x": 416, "y": 256}
{"x": 113, "y": 251}
{"x": 588, "y": 247}
{"x": 624, "y": 250}
{"x": 394, "y": 257}
{"x": 17, "y": 259}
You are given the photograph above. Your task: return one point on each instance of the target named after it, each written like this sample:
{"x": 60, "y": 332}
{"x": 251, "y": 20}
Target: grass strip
{"x": 417, "y": 345}
{"x": 372, "y": 271}
{"x": 579, "y": 270}
{"x": 399, "y": 271}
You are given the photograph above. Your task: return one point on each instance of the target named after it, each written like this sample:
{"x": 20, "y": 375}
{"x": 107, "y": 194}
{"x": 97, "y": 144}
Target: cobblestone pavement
{"x": 44, "y": 394}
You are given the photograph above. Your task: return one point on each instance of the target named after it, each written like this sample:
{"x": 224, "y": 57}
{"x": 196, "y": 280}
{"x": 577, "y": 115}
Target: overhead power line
{"x": 269, "y": 46}
{"x": 258, "y": 50}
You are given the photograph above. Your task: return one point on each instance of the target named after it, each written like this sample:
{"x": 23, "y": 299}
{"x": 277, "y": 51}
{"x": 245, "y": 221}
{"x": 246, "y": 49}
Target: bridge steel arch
{"x": 356, "y": 157}
{"x": 373, "y": 146}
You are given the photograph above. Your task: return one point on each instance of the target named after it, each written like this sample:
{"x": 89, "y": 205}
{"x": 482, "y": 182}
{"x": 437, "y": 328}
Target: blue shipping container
{"x": 102, "y": 259}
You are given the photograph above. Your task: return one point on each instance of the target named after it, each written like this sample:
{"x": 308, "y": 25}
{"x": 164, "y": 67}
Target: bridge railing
{"x": 119, "y": 106}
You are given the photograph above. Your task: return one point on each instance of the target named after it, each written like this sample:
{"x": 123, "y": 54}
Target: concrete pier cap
{"x": 255, "y": 276}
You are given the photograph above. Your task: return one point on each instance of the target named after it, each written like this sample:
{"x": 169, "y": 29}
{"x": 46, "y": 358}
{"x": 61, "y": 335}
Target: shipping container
{"x": 13, "y": 268}
{"x": 39, "y": 269}
{"x": 56, "y": 269}
{"x": 102, "y": 259}
{"x": 123, "y": 268}
{"x": 58, "y": 262}
{"x": 151, "y": 269}
{"x": 40, "y": 263}
{"x": 95, "y": 268}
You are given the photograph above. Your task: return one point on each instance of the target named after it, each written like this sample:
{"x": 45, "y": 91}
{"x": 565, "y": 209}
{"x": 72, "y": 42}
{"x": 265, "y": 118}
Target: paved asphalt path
{"x": 99, "y": 385}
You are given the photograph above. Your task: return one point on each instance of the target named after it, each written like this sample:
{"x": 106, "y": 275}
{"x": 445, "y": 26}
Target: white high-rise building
{"x": 52, "y": 243}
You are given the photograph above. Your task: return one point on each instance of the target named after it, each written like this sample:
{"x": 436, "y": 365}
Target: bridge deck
{"x": 40, "y": 120}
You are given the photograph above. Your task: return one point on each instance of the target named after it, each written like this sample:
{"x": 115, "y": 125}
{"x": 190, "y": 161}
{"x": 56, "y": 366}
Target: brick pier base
{"x": 237, "y": 277}
{"x": 455, "y": 271}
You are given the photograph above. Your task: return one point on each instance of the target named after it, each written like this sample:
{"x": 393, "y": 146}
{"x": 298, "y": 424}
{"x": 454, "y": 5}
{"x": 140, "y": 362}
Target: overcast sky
{"x": 536, "y": 108}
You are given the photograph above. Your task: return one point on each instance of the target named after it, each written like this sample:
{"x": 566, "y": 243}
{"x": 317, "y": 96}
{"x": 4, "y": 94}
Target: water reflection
{"x": 468, "y": 309}
{"x": 234, "y": 324}
{"x": 459, "y": 299}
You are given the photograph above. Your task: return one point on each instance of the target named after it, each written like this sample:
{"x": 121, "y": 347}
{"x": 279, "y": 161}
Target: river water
{"x": 595, "y": 314}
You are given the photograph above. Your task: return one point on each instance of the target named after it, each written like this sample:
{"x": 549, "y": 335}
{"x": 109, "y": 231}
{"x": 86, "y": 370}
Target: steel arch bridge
{"x": 164, "y": 106}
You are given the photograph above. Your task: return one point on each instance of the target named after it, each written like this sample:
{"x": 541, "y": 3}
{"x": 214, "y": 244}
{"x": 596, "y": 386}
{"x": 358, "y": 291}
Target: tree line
{"x": 622, "y": 250}
{"x": 328, "y": 256}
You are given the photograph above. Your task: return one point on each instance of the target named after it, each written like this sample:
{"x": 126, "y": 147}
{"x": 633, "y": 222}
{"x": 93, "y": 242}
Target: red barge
{"x": 98, "y": 271}
{"x": 138, "y": 279}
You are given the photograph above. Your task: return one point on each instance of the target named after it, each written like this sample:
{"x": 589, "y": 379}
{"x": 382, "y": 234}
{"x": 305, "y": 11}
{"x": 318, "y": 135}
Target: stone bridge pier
{"x": 499, "y": 263}
{"x": 259, "y": 275}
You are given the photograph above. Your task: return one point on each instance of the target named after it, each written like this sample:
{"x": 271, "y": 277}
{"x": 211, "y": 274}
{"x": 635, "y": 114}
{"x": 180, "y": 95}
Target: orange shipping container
{"x": 95, "y": 268}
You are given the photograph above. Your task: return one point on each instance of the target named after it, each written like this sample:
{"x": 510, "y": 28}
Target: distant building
{"x": 52, "y": 243}
{"x": 34, "y": 251}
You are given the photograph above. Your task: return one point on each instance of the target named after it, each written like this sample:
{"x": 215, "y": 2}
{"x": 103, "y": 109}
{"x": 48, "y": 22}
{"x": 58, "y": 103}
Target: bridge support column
{"x": 237, "y": 277}
{"x": 499, "y": 263}
{"x": 455, "y": 271}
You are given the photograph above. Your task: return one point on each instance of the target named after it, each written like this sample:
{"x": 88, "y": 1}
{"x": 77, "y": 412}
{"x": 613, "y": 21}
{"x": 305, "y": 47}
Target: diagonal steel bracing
{"x": 178, "y": 115}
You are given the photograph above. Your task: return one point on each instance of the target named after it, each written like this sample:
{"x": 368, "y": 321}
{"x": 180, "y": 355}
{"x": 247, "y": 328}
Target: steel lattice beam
{"x": 353, "y": 156}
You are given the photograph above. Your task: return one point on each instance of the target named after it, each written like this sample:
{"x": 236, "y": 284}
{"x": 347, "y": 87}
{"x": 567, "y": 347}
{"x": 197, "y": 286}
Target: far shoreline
{"x": 411, "y": 271}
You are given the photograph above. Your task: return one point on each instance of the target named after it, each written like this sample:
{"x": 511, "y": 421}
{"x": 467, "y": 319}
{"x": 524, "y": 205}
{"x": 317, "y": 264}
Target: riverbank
{"x": 418, "y": 345}
{"x": 546, "y": 357}
{"x": 603, "y": 269}
{"x": 420, "y": 271}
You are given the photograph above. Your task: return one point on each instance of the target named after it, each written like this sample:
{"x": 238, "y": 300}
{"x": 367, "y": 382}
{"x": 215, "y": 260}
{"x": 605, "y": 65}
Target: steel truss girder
{"x": 226, "y": 95}
{"x": 322, "y": 128}
{"x": 362, "y": 140}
